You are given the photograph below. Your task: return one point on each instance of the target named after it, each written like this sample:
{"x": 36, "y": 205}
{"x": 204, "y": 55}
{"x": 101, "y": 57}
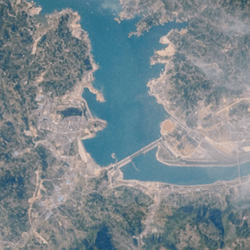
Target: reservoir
{"x": 133, "y": 117}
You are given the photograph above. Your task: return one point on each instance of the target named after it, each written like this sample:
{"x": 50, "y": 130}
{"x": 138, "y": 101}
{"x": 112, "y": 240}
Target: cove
{"x": 132, "y": 115}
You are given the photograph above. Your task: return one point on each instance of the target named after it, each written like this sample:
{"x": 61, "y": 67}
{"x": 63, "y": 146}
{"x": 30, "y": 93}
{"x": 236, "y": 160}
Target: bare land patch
{"x": 167, "y": 127}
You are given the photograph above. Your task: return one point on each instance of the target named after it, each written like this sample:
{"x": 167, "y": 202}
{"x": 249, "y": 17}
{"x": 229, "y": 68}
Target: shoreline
{"x": 232, "y": 183}
{"x": 157, "y": 184}
{"x": 86, "y": 82}
{"x": 167, "y": 126}
{"x": 203, "y": 166}
{"x": 156, "y": 59}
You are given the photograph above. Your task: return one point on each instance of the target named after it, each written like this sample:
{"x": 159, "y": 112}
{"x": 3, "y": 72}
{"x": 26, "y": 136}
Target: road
{"x": 143, "y": 150}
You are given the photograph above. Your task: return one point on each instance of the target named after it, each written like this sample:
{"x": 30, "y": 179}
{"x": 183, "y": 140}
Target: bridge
{"x": 144, "y": 150}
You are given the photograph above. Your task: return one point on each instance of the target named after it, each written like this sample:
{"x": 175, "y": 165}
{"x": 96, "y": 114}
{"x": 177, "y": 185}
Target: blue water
{"x": 149, "y": 169}
{"x": 132, "y": 115}
{"x": 60, "y": 198}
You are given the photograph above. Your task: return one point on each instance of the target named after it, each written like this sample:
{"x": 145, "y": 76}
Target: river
{"x": 132, "y": 115}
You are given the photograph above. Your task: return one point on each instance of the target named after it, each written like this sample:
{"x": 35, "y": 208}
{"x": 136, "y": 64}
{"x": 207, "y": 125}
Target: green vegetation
{"x": 49, "y": 197}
